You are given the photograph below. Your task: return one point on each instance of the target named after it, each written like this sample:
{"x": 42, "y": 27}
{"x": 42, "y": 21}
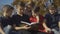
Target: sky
{"x": 4, "y": 2}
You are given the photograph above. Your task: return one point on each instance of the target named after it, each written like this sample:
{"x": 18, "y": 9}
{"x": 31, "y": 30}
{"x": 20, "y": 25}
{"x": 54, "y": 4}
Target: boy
{"x": 52, "y": 20}
{"x": 20, "y": 16}
{"x": 5, "y": 20}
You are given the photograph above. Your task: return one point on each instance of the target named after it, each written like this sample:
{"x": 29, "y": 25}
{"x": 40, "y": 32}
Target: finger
{"x": 26, "y": 25}
{"x": 46, "y": 31}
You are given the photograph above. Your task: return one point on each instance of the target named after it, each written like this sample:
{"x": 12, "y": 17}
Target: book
{"x": 27, "y": 23}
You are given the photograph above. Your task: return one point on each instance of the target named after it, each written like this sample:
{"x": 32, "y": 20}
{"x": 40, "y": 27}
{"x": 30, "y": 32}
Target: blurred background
{"x": 43, "y": 4}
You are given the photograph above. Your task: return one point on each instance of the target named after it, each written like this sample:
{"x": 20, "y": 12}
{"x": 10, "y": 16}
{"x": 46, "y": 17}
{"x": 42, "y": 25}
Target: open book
{"x": 27, "y": 23}
{"x": 33, "y": 25}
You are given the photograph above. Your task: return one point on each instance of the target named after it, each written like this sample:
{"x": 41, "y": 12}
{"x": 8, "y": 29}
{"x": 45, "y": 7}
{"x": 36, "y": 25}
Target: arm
{"x": 45, "y": 26}
{"x": 37, "y": 19}
{"x": 17, "y": 28}
{"x": 1, "y": 31}
{"x": 22, "y": 27}
{"x": 59, "y": 24}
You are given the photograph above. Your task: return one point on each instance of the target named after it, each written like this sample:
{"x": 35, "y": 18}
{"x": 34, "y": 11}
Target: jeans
{"x": 55, "y": 31}
{"x": 37, "y": 32}
{"x": 7, "y": 29}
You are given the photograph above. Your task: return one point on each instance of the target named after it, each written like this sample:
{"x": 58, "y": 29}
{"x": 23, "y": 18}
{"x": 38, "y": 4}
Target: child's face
{"x": 33, "y": 13}
{"x": 51, "y": 11}
{"x": 19, "y": 10}
{"x": 7, "y": 12}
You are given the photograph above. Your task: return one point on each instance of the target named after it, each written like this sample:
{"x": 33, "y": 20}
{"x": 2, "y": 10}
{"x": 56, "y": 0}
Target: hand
{"x": 2, "y": 32}
{"x": 48, "y": 30}
{"x": 26, "y": 27}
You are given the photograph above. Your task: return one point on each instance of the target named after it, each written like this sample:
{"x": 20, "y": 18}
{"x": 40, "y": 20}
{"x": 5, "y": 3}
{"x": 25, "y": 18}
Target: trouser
{"x": 59, "y": 29}
{"x": 7, "y": 29}
{"x": 37, "y": 32}
{"x": 55, "y": 30}
{"x": 41, "y": 33}
{"x": 20, "y": 32}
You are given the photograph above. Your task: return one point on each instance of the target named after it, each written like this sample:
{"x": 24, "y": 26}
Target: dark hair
{"x": 32, "y": 4}
{"x": 22, "y": 4}
{"x": 52, "y": 7}
{"x": 8, "y": 7}
{"x": 37, "y": 9}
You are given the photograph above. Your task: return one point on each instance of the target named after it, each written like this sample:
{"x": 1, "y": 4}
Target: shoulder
{"x": 41, "y": 17}
{"x": 58, "y": 15}
{"x": 1, "y": 18}
{"x": 25, "y": 16}
{"x": 47, "y": 15}
{"x": 14, "y": 15}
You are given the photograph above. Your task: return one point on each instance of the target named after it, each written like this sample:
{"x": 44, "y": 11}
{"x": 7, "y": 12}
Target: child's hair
{"x": 52, "y": 7}
{"x": 21, "y": 4}
{"x": 8, "y": 7}
{"x": 37, "y": 9}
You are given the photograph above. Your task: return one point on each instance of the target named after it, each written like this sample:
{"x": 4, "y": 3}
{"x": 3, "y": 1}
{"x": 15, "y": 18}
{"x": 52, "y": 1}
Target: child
{"x": 5, "y": 20}
{"x": 20, "y": 16}
{"x": 37, "y": 19}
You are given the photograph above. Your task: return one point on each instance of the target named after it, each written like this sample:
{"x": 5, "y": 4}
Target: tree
{"x": 39, "y": 3}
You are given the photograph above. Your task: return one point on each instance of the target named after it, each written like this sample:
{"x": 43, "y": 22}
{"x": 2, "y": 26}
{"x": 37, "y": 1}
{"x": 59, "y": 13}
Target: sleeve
{"x": 59, "y": 17}
{"x": 27, "y": 18}
{"x": 59, "y": 22}
{"x": 45, "y": 18}
{"x": 0, "y": 21}
{"x": 41, "y": 18}
{"x": 13, "y": 19}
